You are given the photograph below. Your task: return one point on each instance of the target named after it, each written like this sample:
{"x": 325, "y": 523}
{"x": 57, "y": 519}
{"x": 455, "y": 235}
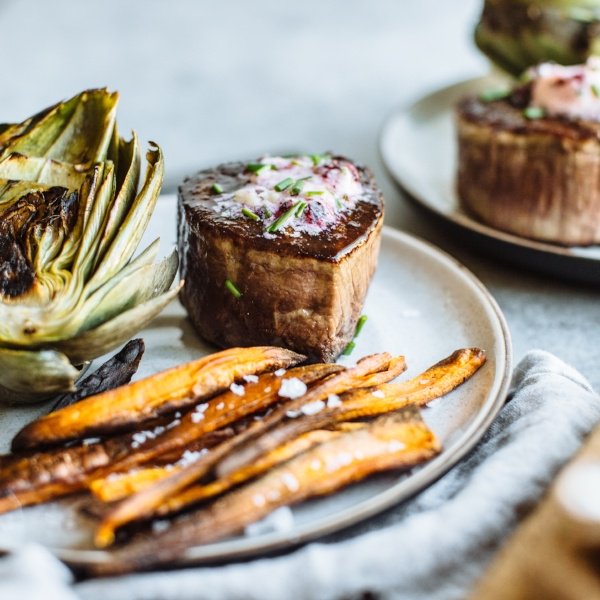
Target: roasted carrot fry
{"x": 145, "y": 503}
{"x": 170, "y": 390}
{"x": 400, "y": 440}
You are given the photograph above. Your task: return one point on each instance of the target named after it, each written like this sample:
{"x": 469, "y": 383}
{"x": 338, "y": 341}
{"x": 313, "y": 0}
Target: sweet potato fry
{"x": 58, "y": 472}
{"x": 176, "y": 388}
{"x": 222, "y": 410}
{"x": 396, "y": 441}
{"x": 433, "y": 383}
{"x": 359, "y": 403}
{"x": 114, "y": 488}
{"x": 145, "y": 503}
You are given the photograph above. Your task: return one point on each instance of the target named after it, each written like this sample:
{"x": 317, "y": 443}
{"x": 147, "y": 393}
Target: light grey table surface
{"x": 217, "y": 80}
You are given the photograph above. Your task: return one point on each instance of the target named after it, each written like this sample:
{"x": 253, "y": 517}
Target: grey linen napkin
{"x": 434, "y": 546}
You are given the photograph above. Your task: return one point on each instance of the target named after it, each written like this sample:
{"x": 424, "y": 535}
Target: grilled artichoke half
{"x": 516, "y": 34}
{"x": 70, "y": 222}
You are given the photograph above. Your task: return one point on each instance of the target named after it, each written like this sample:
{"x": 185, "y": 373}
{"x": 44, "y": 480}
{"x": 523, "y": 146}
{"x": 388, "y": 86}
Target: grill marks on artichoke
{"x": 44, "y": 216}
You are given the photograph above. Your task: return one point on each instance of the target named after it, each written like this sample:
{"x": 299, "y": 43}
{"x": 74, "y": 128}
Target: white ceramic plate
{"x": 418, "y": 147}
{"x": 422, "y": 304}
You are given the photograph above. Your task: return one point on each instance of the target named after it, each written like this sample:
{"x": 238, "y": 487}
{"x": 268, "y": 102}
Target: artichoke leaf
{"x": 43, "y": 171}
{"x": 136, "y": 287}
{"x": 127, "y": 180}
{"x": 77, "y": 131}
{"x": 133, "y": 226}
{"x": 90, "y": 238}
{"x": 102, "y": 339}
{"x": 32, "y": 375}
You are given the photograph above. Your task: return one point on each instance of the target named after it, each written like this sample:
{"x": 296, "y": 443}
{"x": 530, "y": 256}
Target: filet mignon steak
{"x": 280, "y": 251}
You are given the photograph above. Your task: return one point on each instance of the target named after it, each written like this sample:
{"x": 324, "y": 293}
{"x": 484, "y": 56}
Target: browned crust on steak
{"x": 305, "y": 293}
{"x": 535, "y": 178}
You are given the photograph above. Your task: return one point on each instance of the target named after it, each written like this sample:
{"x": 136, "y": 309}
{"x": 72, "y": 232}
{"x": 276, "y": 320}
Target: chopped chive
{"x": 493, "y": 94}
{"x": 317, "y": 159}
{"x": 216, "y": 188}
{"x": 596, "y": 90}
{"x": 297, "y": 187}
{"x": 283, "y": 219}
{"x": 267, "y": 212}
{"x": 300, "y": 209}
{"x": 248, "y": 213}
{"x": 361, "y": 323}
{"x": 534, "y": 112}
{"x": 338, "y": 204}
{"x": 284, "y": 184}
{"x": 257, "y": 167}
{"x": 314, "y": 193}
{"x": 348, "y": 349}
{"x": 232, "y": 289}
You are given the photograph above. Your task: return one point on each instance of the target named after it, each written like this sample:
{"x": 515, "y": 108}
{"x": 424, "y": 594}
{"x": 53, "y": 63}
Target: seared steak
{"x": 281, "y": 252}
{"x": 538, "y": 178}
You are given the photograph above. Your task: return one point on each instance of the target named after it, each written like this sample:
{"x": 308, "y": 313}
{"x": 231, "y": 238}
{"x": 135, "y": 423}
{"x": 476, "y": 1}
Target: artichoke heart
{"x": 71, "y": 218}
{"x": 516, "y": 34}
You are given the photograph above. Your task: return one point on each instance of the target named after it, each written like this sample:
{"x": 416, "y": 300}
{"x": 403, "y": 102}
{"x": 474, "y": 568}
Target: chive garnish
{"x": 348, "y": 349}
{"x": 361, "y": 323}
{"x": 216, "y": 188}
{"x": 534, "y": 112}
{"x": 278, "y": 223}
{"x": 596, "y": 90}
{"x": 233, "y": 289}
{"x": 301, "y": 206}
{"x": 267, "y": 212}
{"x": 317, "y": 159}
{"x": 313, "y": 193}
{"x": 283, "y": 184}
{"x": 257, "y": 167}
{"x": 248, "y": 213}
{"x": 493, "y": 94}
{"x": 298, "y": 185}
{"x": 338, "y": 204}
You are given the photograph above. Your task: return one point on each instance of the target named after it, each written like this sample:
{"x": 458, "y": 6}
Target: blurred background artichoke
{"x": 70, "y": 222}
{"x": 516, "y": 34}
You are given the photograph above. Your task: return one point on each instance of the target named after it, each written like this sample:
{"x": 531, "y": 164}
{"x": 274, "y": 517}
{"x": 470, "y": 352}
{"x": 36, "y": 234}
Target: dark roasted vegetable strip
{"x": 396, "y": 441}
{"x": 116, "y": 371}
{"x": 130, "y": 405}
{"x": 145, "y": 503}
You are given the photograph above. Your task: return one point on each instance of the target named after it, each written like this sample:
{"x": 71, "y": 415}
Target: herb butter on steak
{"x": 280, "y": 251}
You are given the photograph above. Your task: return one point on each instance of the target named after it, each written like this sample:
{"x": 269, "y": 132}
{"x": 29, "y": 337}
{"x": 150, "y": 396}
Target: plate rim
{"x": 403, "y": 490}
{"x": 462, "y": 220}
